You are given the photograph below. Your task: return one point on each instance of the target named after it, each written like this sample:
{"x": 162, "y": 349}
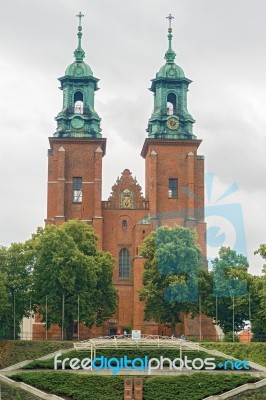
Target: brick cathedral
{"x": 174, "y": 181}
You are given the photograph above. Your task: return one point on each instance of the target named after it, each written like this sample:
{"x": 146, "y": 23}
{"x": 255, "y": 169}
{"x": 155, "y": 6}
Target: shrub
{"x": 255, "y": 352}
{"x": 229, "y": 337}
{"x": 92, "y": 387}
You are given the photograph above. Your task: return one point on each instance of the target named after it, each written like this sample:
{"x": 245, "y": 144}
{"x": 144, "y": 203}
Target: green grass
{"x": 12, "y": 352}
{"x": 255, "y": 352}
{"x": 92, "y": 387}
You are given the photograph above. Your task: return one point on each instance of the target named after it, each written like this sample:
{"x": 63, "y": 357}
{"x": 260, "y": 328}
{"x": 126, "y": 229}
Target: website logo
{"x": 148, "y": 364}
{"x": 225, "y": 227}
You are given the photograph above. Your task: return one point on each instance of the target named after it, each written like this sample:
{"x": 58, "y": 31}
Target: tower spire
{"x": 78, "y": 117}
{"x": 170, "y": 54}
{"x": 79, "y": 53}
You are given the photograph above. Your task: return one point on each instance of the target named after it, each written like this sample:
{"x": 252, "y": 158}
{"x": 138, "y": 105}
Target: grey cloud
{"x": 220, "y": 45}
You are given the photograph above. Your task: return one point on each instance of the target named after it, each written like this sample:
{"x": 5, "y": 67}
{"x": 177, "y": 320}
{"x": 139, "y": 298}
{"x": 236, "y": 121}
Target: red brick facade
{"x": 127, "y": 217}
{"x": 174, "y": 181}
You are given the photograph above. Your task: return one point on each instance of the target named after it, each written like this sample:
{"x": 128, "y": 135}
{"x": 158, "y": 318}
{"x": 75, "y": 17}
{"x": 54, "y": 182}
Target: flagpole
{"x": 78, "y": 316}
{"x": 233, "y": 317}
{"x": 63, "y": 316}
{"x": 46, "y": 317}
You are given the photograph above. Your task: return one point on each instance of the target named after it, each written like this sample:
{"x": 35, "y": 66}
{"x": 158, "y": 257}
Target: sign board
{"x": 128, "y": 388}
{"x": 136, "y": 334}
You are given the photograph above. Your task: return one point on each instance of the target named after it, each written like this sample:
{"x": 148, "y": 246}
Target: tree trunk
{"x": 173, "y": 323}
{"x": 70, "y": 330}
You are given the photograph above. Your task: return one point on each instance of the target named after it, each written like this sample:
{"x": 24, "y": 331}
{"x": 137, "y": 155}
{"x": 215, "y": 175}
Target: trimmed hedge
{"x": 192, "y": 387}
{"x": 92, "y": 387}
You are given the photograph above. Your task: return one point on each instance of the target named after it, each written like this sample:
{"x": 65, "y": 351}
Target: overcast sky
{"x": 219, "y": 44}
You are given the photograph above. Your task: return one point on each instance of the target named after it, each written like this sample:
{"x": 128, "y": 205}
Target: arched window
{"x": 124, "y": 263}
{"x": 78, "y": 103}
{"x": 171, "y": 104}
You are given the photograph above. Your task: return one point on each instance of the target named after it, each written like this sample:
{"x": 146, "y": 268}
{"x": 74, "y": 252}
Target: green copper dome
{"x": 78, "y": 70}
{"x": 172, "y": 71}
{"x": 78, "y": 118}
{"x": 170, "y": 118}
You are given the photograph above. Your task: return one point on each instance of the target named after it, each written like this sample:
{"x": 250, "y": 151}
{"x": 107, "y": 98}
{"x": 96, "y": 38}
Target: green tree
{"x": 68, "y": 266}
{"x": 258, "y": 312}
{"x": 262, "y": 252}
{"x": 206, "y": 293}
{"x": 3, "y": 296}
{"x": 258, "y": 308}
{"x": 232, "y": 287}
{"x": 3, "y": 284}
{"x": 170, "y": 278}
{"x": 15, "y": 288}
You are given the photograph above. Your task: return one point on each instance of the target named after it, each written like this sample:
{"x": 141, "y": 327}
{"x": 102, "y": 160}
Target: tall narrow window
{"x": 77, "y": 190}
{"x": 78, "y": 103}
{"x": 172, "y": 188}
{"x": 124, "y": 263}
{"x": 124, "y": 224}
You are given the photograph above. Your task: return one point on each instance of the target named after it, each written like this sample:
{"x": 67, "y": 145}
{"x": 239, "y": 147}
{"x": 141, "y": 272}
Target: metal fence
{"x": 26, "y": 335}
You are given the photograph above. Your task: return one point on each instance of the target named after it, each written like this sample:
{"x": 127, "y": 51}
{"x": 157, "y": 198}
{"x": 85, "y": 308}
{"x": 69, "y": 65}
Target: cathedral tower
{"x": 174, "y": 172}
{"x": 76, "y": 149}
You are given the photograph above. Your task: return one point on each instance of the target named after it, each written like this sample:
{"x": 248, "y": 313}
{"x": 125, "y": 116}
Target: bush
{"x": 92, "y": 387}
{"x": 8, "y": 393}
{"x": 15, "y": 351}
{"x": 257, "y": 394}
{"x": 255, "y": 352}
{"x": 229, "y": 337}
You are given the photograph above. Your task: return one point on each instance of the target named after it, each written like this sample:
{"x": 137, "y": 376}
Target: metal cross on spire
{"x": 170, "y": 17}
{"x": 79, "y": 52}
{"x": 80, "y": 15}
{"x": 170, "y": 54}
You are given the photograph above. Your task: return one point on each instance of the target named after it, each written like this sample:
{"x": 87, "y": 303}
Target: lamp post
{"x": 78, "y": 316}
{"x": 235, "y": 291}
{"x": 233, "y": 317}
{"x": 46, "y": 317}
{"x": 216, "y": 314}
{"x": 63, "y": 316}
{"x": 249, "y": 317}
{"x": 30, "y": 321}
{"x": 14, "y": 316}
{"x": 200, "y": 317}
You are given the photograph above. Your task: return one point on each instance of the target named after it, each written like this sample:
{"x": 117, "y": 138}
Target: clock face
{"x": 172, "y": 123}
{"x": 77, "y": 123}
